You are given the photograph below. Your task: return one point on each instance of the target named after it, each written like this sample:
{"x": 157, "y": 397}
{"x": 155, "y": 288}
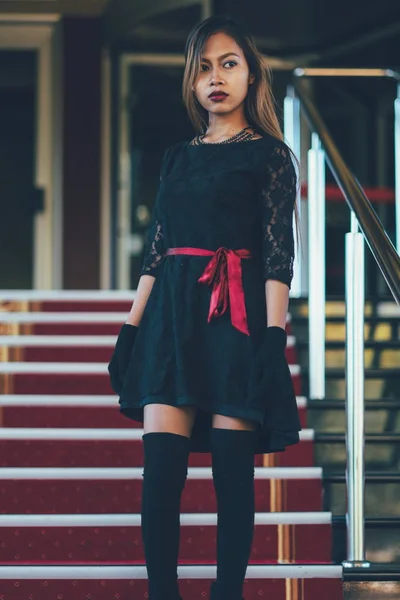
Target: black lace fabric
{"x": 278, "y": 197}
{"x": 236, "y": 196}
{"x": 277, "y": 200}
{"x": 154, "y": 245}
{"x": 154, "y": 240}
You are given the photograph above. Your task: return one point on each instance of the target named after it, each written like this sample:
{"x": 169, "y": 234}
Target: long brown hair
{"x": 260, "y": 104}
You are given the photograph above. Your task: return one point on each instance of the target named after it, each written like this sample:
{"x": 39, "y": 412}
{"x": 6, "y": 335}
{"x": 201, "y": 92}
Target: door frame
{"x": 124, "y": 242}
{"x": 122, "y": 225}
{"x": 23, "y": 32}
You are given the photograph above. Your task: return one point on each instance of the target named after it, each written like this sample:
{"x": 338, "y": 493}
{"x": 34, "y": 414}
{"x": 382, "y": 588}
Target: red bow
{"x": 224, "y": 273}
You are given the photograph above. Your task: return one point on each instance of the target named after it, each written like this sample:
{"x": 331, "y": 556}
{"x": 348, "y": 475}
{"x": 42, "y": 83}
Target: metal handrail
{"x": 362, "y": 215}
{"x": 346, "y": 72}
{"x": 381, "y": 247}
{"x": 382, "y": 73}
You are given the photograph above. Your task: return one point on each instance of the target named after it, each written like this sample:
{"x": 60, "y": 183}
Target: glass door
{"x": 17, "y": 167}
{"x": 152, "y": 117}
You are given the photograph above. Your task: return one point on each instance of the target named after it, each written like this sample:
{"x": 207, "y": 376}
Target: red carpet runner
{"x": 70, "y": 474}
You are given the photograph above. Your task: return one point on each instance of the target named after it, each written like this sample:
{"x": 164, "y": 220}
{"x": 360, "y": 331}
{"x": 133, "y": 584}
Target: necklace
{"x": 240, "y": 136}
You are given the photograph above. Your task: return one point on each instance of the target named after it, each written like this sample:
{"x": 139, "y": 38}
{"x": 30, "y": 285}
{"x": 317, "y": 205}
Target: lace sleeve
{"x": 278, "y": 197}
{"x": 154, "y": 245}
{"x": 154, "y": 241}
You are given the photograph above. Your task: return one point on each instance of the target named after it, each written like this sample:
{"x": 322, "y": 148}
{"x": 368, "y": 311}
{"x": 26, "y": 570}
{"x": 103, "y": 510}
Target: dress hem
{"x": 270, "y": 440}
{"x": 181, "y": 401}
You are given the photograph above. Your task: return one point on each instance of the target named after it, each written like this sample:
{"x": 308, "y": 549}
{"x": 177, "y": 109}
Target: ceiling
{"x": 294, "y": 31}
{"x": 298, "y": 31}
{"x": 60, "y": 7}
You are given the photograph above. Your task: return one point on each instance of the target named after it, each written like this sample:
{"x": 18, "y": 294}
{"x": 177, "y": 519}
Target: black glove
{"x": 271, "y": 377}
{"x": 120, "y": 358}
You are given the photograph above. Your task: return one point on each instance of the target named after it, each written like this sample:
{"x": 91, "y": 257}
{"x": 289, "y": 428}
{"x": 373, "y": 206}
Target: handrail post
{"x": 397, "y": 165}
{"x": 316, "y": 268}
{"x": 355, "y": 475}
{"x": 292, "y": 134}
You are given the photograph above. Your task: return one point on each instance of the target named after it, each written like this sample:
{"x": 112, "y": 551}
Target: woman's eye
{"x": 228, "y": 62}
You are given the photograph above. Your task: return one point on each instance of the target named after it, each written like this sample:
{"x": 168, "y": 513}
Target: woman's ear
{"x": 251, "y": 79}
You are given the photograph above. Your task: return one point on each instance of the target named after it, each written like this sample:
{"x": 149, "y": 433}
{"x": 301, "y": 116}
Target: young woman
{"x": 201, "y": 358}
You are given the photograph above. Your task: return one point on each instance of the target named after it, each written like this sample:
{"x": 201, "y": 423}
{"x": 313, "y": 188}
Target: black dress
{"x": 221, "y": 197}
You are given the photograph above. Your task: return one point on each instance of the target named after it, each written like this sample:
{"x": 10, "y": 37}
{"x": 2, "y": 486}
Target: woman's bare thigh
{"x": 169, "y": 419}
{"x": 222, "y": 422}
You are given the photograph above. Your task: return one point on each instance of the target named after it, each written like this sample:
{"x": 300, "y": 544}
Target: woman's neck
{"x": 215, "y": 133}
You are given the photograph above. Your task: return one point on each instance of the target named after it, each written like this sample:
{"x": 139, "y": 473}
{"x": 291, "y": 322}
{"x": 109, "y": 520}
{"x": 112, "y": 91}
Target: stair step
{"x": 62, "y": 378}
{"x": 98, "y": 415}
{"x": 370, "y": 438}
{"x": 104, "y": 434}
{"x": 74, "y": 411}
{"x": 335, "y": 373}
{"x": 373, "y": 358}
{"x": 187, "y": 520}
{"x": 89, "y": 316}
{"x": 66, "y": 301}
{"x": 64, "y": 323}
{"x": 118, "y": 490}
{"x": 340, "y": 344}
{"x": 73, "y": 451}
{"x": 102, "y": 328}
{"x": 381, "y": 491}
{"x": 73, "y": 349}
{"x": 66, "y": 317}
{"x": 40, "y": 341}
{"x": 339, "y": 404}
{"x": 76, "y": 400}
{"x": 90, "y": 368}
{"x": 370, "y": 476}
{"x": 95, "y": 582}
{"x": 16, "y": 411}
{"x": 386, "y": 316}
{"x": 377, "y": 456}
{"x": 112, "y": 538}
{"x": 68, "y": 296}
{"x": 337, "y": 306}
{"x": 381, "y": 538}
{"x": 376, "y": 572}
{"x": 74, "y": 341}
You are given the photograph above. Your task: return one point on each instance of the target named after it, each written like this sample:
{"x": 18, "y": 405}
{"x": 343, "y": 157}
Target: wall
{"x": 81, "y": 152}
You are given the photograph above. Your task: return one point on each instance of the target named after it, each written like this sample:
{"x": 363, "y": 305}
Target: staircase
{"x": 382, "y": 440}
{"x": 71, "y": 471}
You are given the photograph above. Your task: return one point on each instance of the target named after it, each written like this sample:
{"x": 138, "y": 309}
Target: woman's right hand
{"x": 126, "y": 338}
{"x": 120, "y": 358}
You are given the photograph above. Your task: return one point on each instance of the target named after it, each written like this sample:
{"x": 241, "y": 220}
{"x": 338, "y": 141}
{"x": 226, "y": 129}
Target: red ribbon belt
{"x": 224, "y": 273}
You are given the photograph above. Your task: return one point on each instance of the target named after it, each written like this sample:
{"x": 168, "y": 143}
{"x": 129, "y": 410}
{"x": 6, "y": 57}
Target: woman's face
{"x": 224, "y": 69}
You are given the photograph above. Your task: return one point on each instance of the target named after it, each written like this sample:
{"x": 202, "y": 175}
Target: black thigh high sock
{"x": 165, "y": 469}
{"x": 233, "y": 473}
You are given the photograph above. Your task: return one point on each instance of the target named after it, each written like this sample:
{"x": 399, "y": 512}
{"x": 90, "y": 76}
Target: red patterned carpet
{"x": 71, "y": 471}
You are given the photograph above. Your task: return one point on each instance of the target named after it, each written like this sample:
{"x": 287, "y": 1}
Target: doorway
{"x": 30, "y": 191}
{"x": 152, "y": 118}
{"x": 18, "y": 195}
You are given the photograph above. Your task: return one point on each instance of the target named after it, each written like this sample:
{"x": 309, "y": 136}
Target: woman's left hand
{"x": 271, "y": 374}
{"x": 121, "y": 355}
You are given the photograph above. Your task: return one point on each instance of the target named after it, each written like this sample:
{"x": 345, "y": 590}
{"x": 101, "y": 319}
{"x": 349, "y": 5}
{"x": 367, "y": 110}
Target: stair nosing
{"x": 132, "y": 473}
{"x": 285, "y": 571}
{"x": 90, "y": 434}
{"x": 134, "y": 520}
{"x": 89, "y": 400}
